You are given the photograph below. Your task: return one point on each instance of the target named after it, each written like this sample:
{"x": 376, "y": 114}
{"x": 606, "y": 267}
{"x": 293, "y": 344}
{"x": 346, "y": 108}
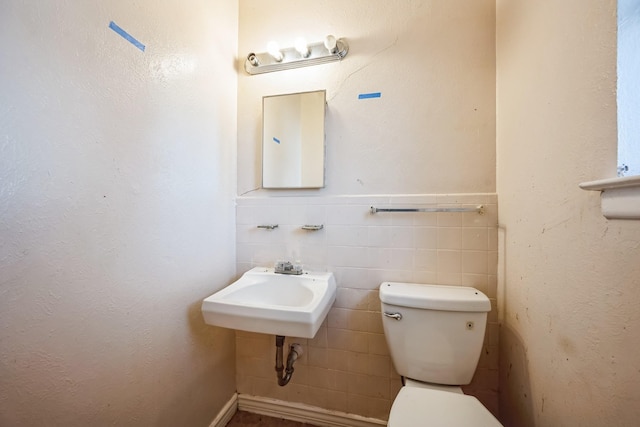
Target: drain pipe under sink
{"x": 295, "y": 351}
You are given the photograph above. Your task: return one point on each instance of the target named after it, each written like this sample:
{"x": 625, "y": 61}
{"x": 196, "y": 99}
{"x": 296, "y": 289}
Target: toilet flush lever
{"x": 396, "y": 316}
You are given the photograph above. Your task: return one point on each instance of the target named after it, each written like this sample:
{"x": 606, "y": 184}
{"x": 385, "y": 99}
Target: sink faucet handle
{"x": 286, "y": 267}
{"x": 283, "y": 265}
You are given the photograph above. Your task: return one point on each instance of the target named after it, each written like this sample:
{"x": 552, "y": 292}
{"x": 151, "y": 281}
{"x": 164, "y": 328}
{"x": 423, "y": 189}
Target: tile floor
{"x": 247, "y": 419}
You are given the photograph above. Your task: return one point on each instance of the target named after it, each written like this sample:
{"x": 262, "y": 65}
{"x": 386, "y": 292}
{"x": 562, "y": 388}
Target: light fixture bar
{"x": 258, "y": 63}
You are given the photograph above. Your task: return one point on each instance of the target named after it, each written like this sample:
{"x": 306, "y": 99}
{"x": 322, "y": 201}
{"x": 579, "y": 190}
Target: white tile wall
{"x": 346, "y": 367}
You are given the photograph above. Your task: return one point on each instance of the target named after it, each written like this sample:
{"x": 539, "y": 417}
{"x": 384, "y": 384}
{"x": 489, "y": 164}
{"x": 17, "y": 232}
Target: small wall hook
{"x": 268, "y": 226}
{"x": 313, "y": 227}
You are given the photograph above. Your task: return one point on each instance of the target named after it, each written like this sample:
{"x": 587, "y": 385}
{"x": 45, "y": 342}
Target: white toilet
{"x": 435, "y": 335}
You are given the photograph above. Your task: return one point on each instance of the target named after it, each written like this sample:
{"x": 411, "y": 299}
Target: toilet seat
{"x": 420, "y": 407}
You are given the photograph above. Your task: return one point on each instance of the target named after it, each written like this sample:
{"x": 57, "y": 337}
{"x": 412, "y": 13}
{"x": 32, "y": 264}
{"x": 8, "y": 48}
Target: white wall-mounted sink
{"x": 277, "y": 304}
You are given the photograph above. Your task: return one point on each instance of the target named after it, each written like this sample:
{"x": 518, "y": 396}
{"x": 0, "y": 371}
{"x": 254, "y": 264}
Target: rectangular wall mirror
{"x": 293, "y": 140}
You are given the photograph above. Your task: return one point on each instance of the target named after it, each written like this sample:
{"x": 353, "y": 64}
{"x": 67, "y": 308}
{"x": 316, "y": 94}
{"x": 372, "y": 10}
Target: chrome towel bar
{"x": 478, "y": 209}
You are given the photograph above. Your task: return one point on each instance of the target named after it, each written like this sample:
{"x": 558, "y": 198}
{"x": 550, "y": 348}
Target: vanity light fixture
{"x": 301, "y": 55}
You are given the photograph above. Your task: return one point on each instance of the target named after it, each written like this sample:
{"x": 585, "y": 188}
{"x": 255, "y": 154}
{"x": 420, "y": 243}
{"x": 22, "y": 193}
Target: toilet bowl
{"x": 424, "y": 407}
{"x": 435, "y": 335}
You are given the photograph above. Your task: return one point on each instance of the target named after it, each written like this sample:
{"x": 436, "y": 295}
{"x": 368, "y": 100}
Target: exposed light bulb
{"x": 302, "y": 48}
{"x": 331, "y": 44}
{"x": 274, "y": 50}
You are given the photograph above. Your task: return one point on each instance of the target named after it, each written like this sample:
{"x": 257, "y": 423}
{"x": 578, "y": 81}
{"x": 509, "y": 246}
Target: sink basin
{"x": 277, "y": 304}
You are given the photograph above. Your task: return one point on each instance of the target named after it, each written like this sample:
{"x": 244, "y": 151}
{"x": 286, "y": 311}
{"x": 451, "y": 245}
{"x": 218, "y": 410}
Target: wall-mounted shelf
{"x": 619, "y": 197}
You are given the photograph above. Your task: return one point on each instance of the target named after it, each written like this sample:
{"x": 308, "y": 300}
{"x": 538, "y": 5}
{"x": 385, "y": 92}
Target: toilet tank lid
{"x": 434, "y": 297}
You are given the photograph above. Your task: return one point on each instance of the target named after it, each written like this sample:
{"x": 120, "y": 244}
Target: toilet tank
{"x": 434, "y": 332}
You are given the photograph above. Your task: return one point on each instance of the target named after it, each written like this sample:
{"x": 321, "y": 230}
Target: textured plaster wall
{"x": 116, "y": 211}
{"x": 433, "y": 128}
{"x": 430, "y": 134}
{"x": 570, "y": 336}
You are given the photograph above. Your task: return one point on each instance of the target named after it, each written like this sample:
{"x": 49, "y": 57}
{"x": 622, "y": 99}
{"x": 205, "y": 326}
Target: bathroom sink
{"x": 270, "y": 303}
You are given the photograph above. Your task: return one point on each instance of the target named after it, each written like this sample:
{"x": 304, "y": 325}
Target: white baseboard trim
{"x": 226, "y": 413}
{"x": 303, "y": 413}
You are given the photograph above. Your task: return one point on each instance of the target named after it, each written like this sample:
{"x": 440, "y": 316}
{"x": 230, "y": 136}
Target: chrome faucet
{"x": 286, "y": 267}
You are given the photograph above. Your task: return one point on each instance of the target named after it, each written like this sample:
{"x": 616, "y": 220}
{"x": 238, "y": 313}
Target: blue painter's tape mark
{"x": 369, "y": 95}
{"x": 276, "y": 140}
{"x": 126, "y": 35}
